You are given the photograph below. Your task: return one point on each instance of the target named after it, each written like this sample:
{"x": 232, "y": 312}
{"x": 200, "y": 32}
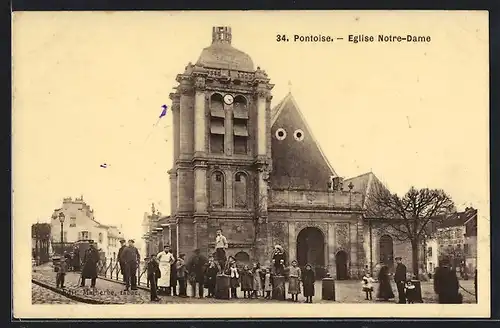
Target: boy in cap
{"x": 152, "y": 269}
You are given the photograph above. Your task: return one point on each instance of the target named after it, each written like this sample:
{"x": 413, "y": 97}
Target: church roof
{"x": 298, "y": 160}
{"x": 221, "y": 54}
{"x": 364, "y": 184}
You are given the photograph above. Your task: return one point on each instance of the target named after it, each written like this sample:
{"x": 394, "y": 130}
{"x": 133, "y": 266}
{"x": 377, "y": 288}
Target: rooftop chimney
{"x": 221, "y": 35}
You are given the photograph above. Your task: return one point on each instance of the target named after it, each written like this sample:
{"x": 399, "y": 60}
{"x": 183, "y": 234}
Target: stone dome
{"x": 221, "y": 54}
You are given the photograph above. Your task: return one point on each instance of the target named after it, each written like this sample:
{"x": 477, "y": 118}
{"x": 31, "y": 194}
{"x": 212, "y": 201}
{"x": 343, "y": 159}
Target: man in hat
{"x": 131, "y": 258}
{"x": 89, "y": 270}
{"x": 119, "y": 257}
{"x": 196, "y": 269}
{"x": 400, "y": 279}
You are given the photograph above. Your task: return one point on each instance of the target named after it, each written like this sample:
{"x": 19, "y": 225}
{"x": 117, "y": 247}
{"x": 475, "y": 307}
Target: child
{"x": 257, "y": 279}
{"x": 368, "y": 286}
{"x": 308, "y": 280}
{"x": 268, "y": 284}
{"x": 61, "y": 270}
{"x": 410, "y": 292}
{"x": 153, "y": 269}
{"x": 294, "y": 275}
{"x": 247, "y": 282}
{"x": 234, "y": 279}
{"x": 210, "y": 276}
{"x": 182, "y": 275}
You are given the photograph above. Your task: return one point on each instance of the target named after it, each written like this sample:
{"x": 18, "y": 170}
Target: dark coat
{"x": 153, "y": 269}
{"x": 130, "y": 255}
{"x": 278, "y": 266}
{"x": 400, "y": 274}
{"x": 173, "y": 273}
{"x": 210, "y": 276}
{"x": 181, "y": 269}
{"x": 308, "y": 280}
{"x": 90, "y": 260}
{"x": 384, "y": 288}
{"x": 119, "y": 258}
{"x": 196, "y": 267}
{"x": 246, "y": 280}
{"x": 446, "y": 285}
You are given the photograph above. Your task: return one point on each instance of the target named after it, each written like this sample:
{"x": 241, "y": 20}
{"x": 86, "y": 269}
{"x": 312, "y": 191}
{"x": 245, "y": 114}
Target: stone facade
{"x": 256, "y": 172}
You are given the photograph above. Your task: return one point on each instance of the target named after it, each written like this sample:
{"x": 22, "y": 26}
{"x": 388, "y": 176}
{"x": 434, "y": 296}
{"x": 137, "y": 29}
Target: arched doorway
{"x": 311, "y": 249}
{"x": 341, "y": 265}
{"x": 386, "y": 251}
{"x": 242, "y": 257}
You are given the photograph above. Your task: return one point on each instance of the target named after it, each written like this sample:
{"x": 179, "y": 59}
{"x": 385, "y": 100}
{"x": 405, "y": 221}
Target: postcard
{"x": 250, "y": 164}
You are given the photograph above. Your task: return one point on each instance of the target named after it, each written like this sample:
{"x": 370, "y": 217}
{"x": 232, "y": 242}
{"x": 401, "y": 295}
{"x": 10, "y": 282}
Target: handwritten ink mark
{"x": 104, "y": 165}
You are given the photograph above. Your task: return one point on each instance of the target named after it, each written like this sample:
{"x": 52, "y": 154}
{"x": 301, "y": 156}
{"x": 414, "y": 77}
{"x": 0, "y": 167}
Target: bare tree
{"x": 408, "y": 216}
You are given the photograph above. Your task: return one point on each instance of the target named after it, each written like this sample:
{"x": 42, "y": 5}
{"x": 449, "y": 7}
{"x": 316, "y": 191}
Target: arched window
{"x": 386, "y": 250}
{"x": 100, "y": 237}
{"x": 217, "y": 189}
{"x": 217, "y": 129}
{"x": 240, "y": 124}
{"x": 240, "y": 189}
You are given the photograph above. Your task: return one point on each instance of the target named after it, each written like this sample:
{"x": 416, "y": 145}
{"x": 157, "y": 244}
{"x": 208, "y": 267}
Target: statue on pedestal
{"x": 278, "y": 261}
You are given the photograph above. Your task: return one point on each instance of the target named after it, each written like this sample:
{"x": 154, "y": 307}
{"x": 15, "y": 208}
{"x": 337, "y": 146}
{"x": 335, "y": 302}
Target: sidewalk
{"x": 347, "y": 291}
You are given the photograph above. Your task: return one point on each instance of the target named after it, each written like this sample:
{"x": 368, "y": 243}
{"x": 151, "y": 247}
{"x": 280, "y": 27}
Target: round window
{"x": 280, "y": 134}
{"x": 298, "y": 135}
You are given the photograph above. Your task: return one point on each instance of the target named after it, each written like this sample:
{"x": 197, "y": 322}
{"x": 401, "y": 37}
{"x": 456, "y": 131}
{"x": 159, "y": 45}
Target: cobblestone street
{"x": 106, "y": 291}
{"x": 40, "y": 295}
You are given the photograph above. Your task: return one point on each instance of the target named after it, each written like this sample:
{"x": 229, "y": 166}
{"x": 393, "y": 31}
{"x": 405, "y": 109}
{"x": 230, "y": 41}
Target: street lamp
{"x": 61, "y": 219}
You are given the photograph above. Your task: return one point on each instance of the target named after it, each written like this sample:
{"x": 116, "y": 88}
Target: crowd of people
{"x": 168, "y": 275}
{"x": 446, "y": 285}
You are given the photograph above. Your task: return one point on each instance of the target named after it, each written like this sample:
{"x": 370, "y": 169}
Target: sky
{"x": 88, "y": 89}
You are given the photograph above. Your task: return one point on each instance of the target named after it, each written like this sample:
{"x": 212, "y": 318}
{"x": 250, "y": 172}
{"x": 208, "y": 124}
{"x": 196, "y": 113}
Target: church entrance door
{"x": 311, "y": 249}
{"x": 341, "y": 264}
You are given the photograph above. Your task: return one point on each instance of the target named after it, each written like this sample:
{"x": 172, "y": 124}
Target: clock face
{"x": 228, "y": 99}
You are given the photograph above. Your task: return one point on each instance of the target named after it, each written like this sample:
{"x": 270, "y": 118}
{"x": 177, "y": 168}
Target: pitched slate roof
{"x": 364, "y": 184}
{"x": 298, "y": 162}
{"x": 459, "y": 218}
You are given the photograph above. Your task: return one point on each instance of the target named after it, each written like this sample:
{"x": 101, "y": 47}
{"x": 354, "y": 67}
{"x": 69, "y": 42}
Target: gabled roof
{"x": 458, "y": 219}
{"x": 364, "y": 184}
{"x": 298, "y": 164}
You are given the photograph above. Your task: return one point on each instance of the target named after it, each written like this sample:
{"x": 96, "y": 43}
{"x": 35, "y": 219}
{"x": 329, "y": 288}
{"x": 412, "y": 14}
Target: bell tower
{"x": 222, "y": 156}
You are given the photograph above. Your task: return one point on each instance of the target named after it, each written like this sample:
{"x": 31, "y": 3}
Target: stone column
{"x": 200, "y": 122}
{"x": 200, "y": 203}
{"x": 175, "y": 97}
{"x": 353, "y": 242}
{"x": 331, "y": 250}
{"x": 228, "y": 125}
{"x": 186, "y": 130}
{"x": 173, "y": 191}
{"x": 262, "y": 95}
{"x": 292, "y": 242}
{"x": 200, "y": 188}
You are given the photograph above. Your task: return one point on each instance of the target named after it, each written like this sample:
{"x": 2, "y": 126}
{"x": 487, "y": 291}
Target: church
{"x": 255, "y": 170}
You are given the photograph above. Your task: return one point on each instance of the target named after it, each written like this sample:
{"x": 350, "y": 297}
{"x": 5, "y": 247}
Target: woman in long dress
{"x": 385, "y": 292}
{"x": 165, "y": 260}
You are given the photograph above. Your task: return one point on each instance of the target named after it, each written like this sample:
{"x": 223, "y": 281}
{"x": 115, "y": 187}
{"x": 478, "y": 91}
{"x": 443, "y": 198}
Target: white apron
{"x": 165, "y": 260}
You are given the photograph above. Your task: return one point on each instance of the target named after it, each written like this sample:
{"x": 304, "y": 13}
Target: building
{"x": 40, "y": 242}
{"x": 80, "y": 224}
{"x": 256, "y": 171}
{"x": 457, "y": 240}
